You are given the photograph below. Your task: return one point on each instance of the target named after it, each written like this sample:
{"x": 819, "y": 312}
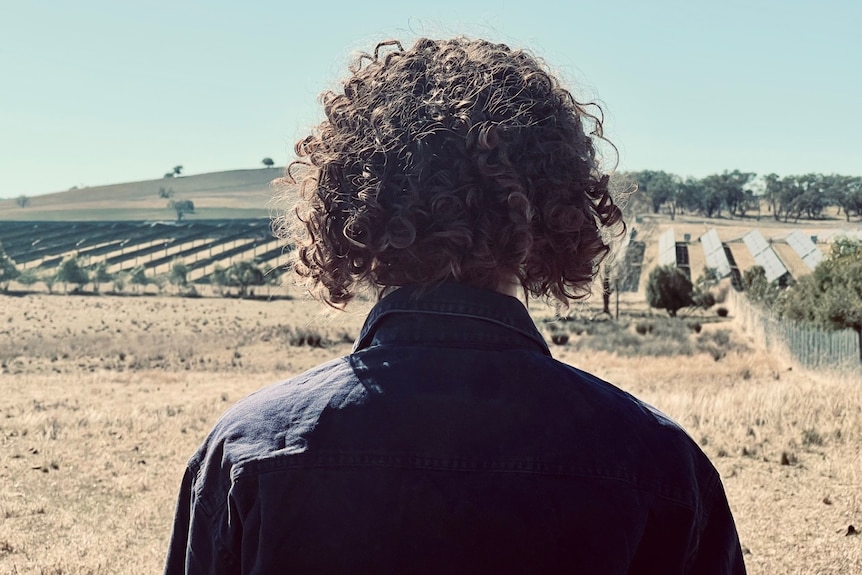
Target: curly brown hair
{"x": 456, "y": 160}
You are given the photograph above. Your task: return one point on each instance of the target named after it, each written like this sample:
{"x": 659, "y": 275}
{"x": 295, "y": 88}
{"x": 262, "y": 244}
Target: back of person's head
{"x": 456, "y": 160}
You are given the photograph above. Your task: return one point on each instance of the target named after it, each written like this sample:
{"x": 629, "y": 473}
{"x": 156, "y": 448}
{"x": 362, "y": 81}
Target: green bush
{"x": 71, "y": 272}
{"x": 8, "y": 270}
{"x": 831, "y": 296}
{"x": 668, "y": 288}
{"x": 757, "y": 289}
{"x": 27, "y": 278}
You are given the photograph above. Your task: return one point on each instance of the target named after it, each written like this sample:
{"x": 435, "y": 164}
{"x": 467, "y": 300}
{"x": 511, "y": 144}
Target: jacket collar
{"x": 490, "y": 313}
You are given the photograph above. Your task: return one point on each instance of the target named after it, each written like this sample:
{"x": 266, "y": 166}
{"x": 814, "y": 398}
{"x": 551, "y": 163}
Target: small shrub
{"x": 716, "y": 343}
{"x": 811, "y": 437}
{"x": 560, "y": 338}
{"x": 748, "y": 451}
{"x": 721, "y": 311}
{"x": 661, "y": 338}
{"x": 788, "y": 458}
{"x": 721, "y": 337}
{"x": 643, "y": 328}
{"x": 703, "y": 298}
{"x": 299, "y": 337}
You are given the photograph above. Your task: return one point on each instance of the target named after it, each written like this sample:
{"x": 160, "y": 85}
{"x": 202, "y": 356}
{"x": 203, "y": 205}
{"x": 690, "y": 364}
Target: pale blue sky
{"x": 104, "y": 91}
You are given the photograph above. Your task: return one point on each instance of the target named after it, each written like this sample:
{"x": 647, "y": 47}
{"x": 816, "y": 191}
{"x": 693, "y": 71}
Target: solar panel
{"x": 806, "y": 249}
{"x": 714, "y": 252}
{"x": 667, "y": 248}
{"x": 764, "y": 255}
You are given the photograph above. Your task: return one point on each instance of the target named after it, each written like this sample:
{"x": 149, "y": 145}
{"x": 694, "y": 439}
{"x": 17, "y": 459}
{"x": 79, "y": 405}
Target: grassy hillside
{"x": 233, "y": 194}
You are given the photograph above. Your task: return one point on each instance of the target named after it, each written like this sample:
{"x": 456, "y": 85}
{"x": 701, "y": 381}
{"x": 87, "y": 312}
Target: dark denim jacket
{"x": 450, "y": 442}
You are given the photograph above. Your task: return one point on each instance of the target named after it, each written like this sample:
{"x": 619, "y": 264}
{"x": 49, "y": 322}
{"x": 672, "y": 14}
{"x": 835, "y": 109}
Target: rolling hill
{"x": 220, "y": 195}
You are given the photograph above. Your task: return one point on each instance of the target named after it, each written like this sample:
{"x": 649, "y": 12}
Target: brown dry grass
{"x": 102, "y": 399}
{"x": 231, "y": 194}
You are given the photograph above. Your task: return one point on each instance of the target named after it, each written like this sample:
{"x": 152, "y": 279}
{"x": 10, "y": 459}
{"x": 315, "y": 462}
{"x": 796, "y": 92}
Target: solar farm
{"x": 201, "y": 245}
{"x": 783, "y": 256}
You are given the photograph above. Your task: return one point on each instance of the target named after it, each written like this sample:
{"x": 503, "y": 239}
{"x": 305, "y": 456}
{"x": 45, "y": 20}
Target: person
{"x": 451, "y": 178}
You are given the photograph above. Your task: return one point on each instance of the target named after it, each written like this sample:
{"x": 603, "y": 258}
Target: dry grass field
{"x": 102, "y": 400}
{"x": 231, "y": 194}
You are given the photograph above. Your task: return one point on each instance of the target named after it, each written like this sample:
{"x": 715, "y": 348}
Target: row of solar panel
{"x": 715, "y": 252}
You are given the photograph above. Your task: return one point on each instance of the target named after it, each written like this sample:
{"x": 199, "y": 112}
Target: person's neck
{"x": 511, "y": 287}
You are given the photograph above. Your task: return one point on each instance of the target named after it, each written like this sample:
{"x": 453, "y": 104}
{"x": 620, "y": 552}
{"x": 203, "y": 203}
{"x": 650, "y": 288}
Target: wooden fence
{"x": 810, "y": 347}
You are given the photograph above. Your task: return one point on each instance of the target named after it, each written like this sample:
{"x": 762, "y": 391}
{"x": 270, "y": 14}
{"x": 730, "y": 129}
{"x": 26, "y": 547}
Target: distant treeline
{"x": 741, "y": 194}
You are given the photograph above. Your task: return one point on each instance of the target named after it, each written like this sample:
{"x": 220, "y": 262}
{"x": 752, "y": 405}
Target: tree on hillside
{"x": 138, "y": 277}
{"x": 49, "y": 278}
{"x": 160, "y": 281}
{"x": 178, "y": 170}
{"x": 246, "y": 275}
{"x": 782, "y": 194}
{"x": 663, "y": 190}
{"x": 71, "y": 272}
{"x": 181, "y": 207}
{"x": 846, "y": 192}
{"x": 788, "y": 197}
{"x": 815, "y": 196}
{"x": 100, "y": 275}
{"x": 178, "y": 276}
{"x": 726, "y": 191}
{"x": 796, "y": 196}
{"x": 220, "y": 280}
{"x": 22, "y": 201}
{"x": 267, "y": 162}
{"x": 772, "y": 186}
{"x": 712, "y": 197}
{"x": 737, "y": 195}
{"x": 668, "y": 288}
{"x": 8, "y": 270}
{"x": 690, "y": 196}
{"x": 660, "y": 187}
